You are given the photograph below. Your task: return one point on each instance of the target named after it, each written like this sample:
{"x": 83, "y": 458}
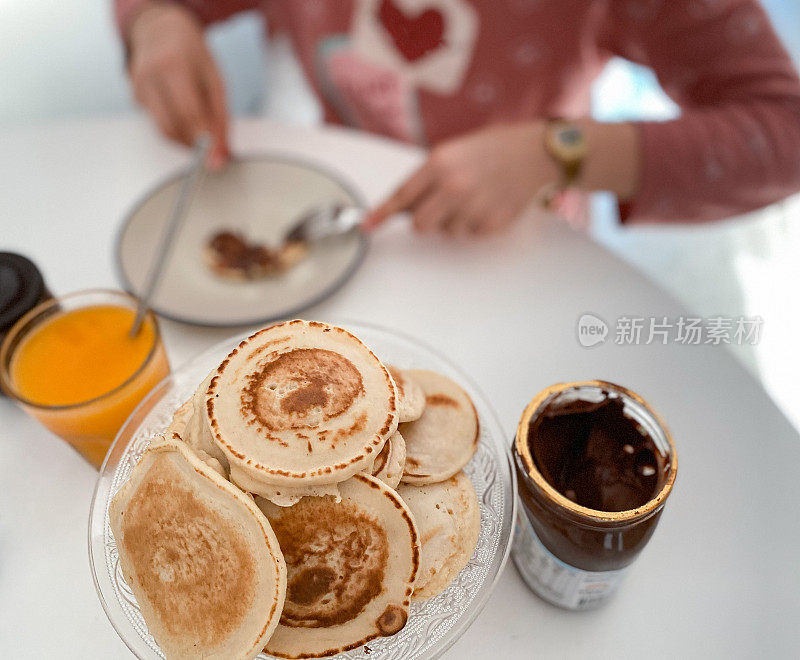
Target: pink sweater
{"x": 425, "y": 70}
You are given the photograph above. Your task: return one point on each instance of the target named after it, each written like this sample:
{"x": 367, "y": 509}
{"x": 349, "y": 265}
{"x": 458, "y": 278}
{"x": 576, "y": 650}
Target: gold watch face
{"x": 567, "y": 142}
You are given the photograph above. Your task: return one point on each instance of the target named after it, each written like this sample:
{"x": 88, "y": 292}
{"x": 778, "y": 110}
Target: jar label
{"x": 552, "y": 579}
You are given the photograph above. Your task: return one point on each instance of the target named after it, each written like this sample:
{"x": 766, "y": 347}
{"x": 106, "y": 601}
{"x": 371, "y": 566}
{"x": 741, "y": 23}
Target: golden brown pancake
{"x": 448, "y": 518}
{"x": 181, "y": 418}
{"x": 442, "y": 441}
{"x": 300, "y": 404}
{"x": 200, "y": 557}
{"x": 191, "y": 424}
{"x": 410, "y": 397}
{"x": 351, "y": 568}
{"x": 390, "y": 462}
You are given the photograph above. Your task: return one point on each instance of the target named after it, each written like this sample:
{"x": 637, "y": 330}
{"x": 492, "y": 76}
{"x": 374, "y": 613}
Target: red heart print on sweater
{"x": 413, "y": 36}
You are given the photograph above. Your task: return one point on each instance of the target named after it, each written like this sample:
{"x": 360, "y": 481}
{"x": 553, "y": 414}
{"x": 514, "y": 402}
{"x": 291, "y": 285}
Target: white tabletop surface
{"x": 720, "y": 576}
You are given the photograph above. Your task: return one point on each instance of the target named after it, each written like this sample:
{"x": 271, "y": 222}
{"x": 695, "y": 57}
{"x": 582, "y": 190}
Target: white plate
{"x": 434, "y": 624}
{"x": 258, "y": 196}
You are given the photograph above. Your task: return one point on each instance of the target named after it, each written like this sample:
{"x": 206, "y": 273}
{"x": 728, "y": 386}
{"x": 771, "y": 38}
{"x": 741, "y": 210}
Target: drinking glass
{"x": 88, "y": 426}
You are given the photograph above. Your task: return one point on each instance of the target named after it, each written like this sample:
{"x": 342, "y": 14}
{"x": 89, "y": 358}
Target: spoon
{"x": 180, "y": 207}
{"x": 323, "y": 222}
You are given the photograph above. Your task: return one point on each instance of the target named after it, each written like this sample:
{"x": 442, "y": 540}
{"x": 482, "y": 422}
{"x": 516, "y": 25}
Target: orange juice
{"x": 81, "y": 375}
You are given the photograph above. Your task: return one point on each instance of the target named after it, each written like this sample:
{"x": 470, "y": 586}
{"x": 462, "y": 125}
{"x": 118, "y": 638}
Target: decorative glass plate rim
{"x": 98, "y": 516}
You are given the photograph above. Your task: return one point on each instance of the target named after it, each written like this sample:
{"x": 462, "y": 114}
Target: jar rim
{"x": 592, "y": 515}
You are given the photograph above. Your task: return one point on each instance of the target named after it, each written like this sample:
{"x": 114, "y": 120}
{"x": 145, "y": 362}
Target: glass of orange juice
{"x": 71, "y": 364}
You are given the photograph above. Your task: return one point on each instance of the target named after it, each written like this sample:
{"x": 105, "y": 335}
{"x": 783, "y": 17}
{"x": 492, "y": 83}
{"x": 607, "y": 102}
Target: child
{"x": 479, "y": 80}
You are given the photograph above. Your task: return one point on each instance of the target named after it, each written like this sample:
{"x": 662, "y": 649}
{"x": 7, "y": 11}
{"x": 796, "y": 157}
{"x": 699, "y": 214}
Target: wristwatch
{"x": 565, "y": 142}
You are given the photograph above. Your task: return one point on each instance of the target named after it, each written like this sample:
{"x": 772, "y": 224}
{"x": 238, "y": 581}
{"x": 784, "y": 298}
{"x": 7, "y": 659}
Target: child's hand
{"x": 175, "y": 78}
{"x": 475, "y": 184}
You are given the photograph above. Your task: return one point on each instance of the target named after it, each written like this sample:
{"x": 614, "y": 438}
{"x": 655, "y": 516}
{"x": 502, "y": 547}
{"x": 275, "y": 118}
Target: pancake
{"x": 388, "y": 467}
{"x": 288, "y": 495}
{"x": 410, "y": 397}
{"x": 390, "y": 462}
{"x": 300, "y": 404}
{"x": 179, "y": 429}
{"x": 200, "y": 557}
{"x": 207, "y": 458}
{"x": 442, "y": 441}
{"x": 181, "y": 418}
{"x": 190, "y": 422}
{"x": 231, "y": 256}
{"x": 449, "y": 518}
{"x": 351, "y": 568}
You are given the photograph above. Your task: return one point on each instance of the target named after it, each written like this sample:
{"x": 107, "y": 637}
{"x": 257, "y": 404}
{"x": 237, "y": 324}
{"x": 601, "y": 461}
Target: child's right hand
{"x": 175, "y": 78}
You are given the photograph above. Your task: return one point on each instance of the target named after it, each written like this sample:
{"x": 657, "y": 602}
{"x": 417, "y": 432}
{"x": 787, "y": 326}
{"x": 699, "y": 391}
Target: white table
{"x": 719, "y": 578}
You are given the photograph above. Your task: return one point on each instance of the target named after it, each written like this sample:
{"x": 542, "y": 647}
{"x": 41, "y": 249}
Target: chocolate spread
{"x": 595, "y": 455}
{"x": 232, "y": 251}
{"x": 232, "y": 256}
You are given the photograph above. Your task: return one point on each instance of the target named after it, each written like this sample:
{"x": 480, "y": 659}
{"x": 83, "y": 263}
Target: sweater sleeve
{"x": 206, "y": 11}
{"x": 736, "y": 145}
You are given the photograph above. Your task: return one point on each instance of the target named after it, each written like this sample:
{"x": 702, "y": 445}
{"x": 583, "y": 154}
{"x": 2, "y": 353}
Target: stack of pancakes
{"x": 271, "y": 513}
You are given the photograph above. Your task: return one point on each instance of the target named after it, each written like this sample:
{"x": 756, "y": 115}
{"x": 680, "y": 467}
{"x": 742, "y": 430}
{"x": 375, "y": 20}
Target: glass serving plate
{"x": 434, "y": 624}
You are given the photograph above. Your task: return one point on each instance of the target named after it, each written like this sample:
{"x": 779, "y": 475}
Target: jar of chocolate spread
{"x": 595, "y": 466}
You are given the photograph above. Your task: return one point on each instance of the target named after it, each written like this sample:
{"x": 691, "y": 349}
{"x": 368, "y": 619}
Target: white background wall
{"x": 62, "y": 58}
